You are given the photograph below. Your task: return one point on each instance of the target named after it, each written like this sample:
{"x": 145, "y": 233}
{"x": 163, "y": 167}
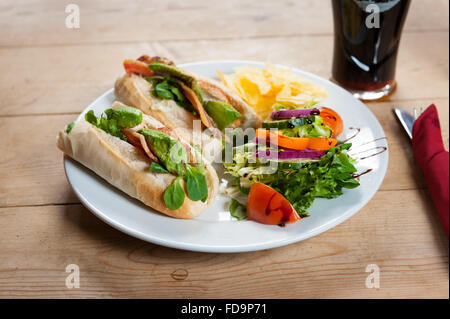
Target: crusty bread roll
{"x": 134, "y": 90}
{"x": 126, "y": 167}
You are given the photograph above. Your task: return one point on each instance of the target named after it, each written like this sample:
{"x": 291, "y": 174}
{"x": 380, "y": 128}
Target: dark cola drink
{"x": 366, "y": 40}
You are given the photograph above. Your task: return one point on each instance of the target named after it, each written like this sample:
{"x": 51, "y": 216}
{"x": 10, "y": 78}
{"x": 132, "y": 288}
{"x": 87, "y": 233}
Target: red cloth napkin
{"x": 433, "y": 160}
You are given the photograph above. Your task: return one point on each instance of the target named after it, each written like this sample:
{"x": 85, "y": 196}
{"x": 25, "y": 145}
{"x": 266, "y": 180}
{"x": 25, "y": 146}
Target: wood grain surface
{"x": 50, "y": 73}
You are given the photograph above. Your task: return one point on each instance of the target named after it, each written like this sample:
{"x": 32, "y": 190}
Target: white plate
{"x": 215, "y": 230}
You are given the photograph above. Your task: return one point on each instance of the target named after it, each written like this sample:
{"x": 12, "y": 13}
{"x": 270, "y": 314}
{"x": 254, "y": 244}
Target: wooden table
{"x": 49, "y": 73}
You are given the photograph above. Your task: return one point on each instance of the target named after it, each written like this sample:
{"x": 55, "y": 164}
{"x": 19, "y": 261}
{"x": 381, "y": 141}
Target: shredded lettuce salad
{"x": 299, "y": 184}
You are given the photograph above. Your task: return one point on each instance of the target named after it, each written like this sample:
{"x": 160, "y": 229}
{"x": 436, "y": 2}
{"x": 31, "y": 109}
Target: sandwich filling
{"x": 205, "y": 101}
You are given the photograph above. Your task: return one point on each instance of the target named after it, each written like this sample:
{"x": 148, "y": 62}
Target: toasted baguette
{"x": 126, "y": 167}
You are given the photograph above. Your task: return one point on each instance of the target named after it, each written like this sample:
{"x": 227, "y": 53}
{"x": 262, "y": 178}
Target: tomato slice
{"x": 297, "y": 143}
{"x": 137, "y": 67}
{"x": 265, "y": 205}
{"x": 332, "y": 120}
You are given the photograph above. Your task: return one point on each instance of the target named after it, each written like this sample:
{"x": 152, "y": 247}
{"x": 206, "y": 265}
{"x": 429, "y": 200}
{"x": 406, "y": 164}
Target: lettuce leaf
{"x": 237, "y": 210}
{"x": 315, "y": 129}
{"x": 324, "y": 178}
{"x": 105, "y": 124}
{"x": 115, "y": 120}
{"x": 168, "y": 88}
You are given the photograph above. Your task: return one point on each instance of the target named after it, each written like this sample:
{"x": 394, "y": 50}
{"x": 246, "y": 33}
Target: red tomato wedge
{"x": 265, "y": 205}
{"x": 297, "y": 143}
{"x": 332, "y": 120}
{"x": 137, "y": 67}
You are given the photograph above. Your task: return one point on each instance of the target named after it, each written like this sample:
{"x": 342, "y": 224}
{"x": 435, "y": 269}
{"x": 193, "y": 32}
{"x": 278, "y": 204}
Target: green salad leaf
{"x": 115, "y": 119}
{"x": 326, "y": 177}
{"x": 164, "y": 90}
{"x": 169, "y": 89}
{"x": 174, "y": 195}
{"x": 157, "y": 168}
{"x": 196, "y": 186}
{"x": 70, "y": 127}
{"x": 173, "y": 72}
{"x": 91, "y": 118}
{"x": 174, "y": 159}
{"x": 237, "y": 210}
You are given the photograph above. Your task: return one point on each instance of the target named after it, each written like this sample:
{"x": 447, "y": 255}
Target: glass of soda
{"x": 366, "y": 40}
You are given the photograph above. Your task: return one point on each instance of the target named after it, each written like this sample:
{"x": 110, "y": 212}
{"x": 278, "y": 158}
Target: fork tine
{"x": 415, "y": 113}
{"x": 421, "y": 110}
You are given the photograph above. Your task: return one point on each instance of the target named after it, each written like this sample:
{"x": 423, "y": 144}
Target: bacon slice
{"x": 198, "y": 106}
{"x": 214, "y": 91}
{"x": 138, "y": 140}
{"x": 140, "y": 66}
{"x": 148, "y": 60}
{"x": 217, "y": 94}
{"x": 168, "y": 131}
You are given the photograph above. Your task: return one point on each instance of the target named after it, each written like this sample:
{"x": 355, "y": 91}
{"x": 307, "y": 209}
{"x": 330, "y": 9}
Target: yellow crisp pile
{"x": 264, "y": 88}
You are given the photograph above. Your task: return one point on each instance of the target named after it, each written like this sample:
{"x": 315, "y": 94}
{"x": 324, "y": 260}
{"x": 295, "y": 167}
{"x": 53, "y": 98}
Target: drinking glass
{"x": 366, "y": 40}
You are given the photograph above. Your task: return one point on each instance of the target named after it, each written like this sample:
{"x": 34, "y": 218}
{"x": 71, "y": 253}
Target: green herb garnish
{"x": 174, "y": 195}
{"x": 163, "y": 90}
{"x": 169, "y": 89}
{"x": 174, "y": 159}
{"x": 115, "y": 119}
{"x": 237, "y": 210}
{"x": 196, "y": 186}
{"x": 91, "y": 118}
{"x": 70, "y": 127}
{"x": 157, "y": 168}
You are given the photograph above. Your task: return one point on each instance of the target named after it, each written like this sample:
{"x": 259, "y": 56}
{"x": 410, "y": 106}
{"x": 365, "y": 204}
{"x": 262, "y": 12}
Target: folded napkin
{"x": 433, "y": 160}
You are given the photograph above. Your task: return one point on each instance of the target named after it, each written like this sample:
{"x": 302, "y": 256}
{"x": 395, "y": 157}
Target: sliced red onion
{"x": 284, "y": 155}
{"x": 287, "y": 114}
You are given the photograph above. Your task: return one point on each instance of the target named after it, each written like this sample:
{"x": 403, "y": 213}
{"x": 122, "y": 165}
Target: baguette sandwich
{"x": 144, "y": 158}
{"x": 177, "y": 97}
